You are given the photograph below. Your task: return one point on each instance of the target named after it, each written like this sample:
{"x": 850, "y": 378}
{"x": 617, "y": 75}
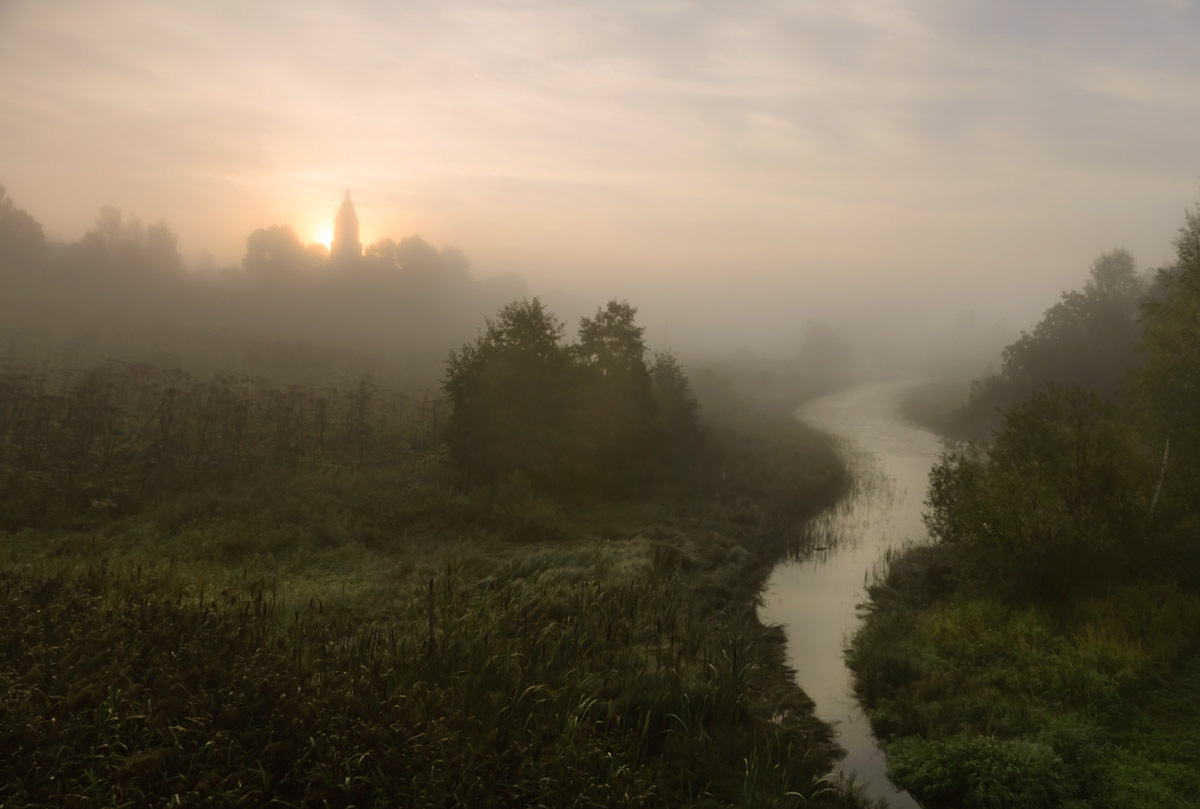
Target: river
{"x": 815, "y": 596}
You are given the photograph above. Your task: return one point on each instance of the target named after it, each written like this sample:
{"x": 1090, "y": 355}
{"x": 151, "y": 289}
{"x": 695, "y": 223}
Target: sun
{"x": 324, "y": 235}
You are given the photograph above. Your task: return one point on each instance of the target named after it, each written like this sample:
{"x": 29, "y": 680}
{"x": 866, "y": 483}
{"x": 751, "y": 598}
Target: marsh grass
{"x": 356, "y": 629}
{"x": 551, "y": 685}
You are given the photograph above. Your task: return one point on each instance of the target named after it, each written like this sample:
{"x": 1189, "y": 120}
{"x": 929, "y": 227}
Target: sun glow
{"x": 324, "y": 235}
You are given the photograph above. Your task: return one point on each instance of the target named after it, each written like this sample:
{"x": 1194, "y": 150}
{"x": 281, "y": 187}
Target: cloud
{"x": 557, "y": 137}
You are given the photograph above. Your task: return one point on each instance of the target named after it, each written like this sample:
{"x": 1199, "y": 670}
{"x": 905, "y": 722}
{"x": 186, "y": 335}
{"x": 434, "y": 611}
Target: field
{"x": 221, "y": 592}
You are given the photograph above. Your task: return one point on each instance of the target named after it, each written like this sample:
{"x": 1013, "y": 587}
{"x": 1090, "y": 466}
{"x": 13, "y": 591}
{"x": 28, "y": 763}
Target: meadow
{"x": 218, "y": 591}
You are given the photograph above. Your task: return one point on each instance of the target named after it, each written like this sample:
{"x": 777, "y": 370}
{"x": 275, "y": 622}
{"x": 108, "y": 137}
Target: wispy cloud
{"x": 760, "y": 133}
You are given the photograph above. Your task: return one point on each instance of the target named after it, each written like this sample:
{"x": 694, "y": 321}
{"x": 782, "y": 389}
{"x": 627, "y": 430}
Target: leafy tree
{"x": 382, "y": 254}
{"x": 677, "y": 425}
{"x": 1167, "y": 386}
{"x": 1064, "y": 483}
{"x": 615, "y": 407}
{"x": 589, "y": 415}
{"x": 508, "y": 390}
{"x": 611, "y": 341}
{"x": 22, "y": 242}
{"x": 1089, "y": 338}
{"x": 120, "y": 249}
{"x": 275, "y": 250}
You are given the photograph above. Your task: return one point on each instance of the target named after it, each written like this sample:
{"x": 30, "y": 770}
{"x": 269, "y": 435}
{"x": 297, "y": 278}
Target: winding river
{"x": 815, "y": 596}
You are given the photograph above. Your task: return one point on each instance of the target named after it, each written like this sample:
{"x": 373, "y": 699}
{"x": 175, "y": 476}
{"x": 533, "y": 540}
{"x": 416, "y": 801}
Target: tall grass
{"x": 130, "y": 688}
{"x": 294, "y": 615}
{"x": 77, "y": 443}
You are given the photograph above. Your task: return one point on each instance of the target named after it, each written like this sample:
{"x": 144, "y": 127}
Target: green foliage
{"x": 589, "y": 416}
{"x": 509, "y": 391}
{"x": 964, "y": 686}
{"x": 1086, "y": 694}
{"x": 613, "y": 407}
{"x": 976, "y": 772}
{"x": 1167, "y": 386}
{"x": 1062, "y": 488}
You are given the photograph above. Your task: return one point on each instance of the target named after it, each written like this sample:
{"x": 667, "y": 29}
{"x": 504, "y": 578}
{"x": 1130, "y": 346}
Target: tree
{"x": 1065, "y": 482}
{"x": 677, "y": 426}
{"x": 611, "y": 341}
{"x": 122, "y": 249}
{"x": 615, "y": 406}
{"x": 509, "y": 390}
{"x": 1167, "y": 386}
{"x": 1089, "y": 338}
{"x": 275, "y": 250}
{"x": 585, "y": 416}
{"x": 382, "y": 254}
{"x": 22, "y": 242}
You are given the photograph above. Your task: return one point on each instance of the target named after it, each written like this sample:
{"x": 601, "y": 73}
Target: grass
{"x": 983, "y": 702}
{"x": 338, "y": 624}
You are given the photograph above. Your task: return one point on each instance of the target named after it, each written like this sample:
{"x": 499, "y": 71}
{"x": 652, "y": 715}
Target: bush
{"x": 1058, "y": 498}
{"x": 974, "y": 772}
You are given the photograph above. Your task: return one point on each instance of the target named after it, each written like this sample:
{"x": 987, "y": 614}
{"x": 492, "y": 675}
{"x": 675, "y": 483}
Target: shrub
{"x": 1058, "y": 497}
{"x": 974, "y": 772}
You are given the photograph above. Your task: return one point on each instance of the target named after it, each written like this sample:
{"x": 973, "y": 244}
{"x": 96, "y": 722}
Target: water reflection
{"x": 815, "y": 595}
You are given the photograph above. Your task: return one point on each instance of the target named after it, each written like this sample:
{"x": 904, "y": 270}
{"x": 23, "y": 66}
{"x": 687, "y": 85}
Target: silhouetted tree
{"x": 508, "y": 391}
{"x": 1089, "y": 338}
{"x": 383, "y": 254}
{"x": 275, "y": 250}
{"x": 1167, "y": 386}
{"x": 119, "y": 251}
{"x": 589, "y": 415}
{"x": 677, "y": 426}
{"x": 615, "y": 408}
{"x": 22, "y": 243}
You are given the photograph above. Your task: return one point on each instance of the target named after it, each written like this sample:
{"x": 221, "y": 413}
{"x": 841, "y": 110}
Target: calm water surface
{"x": 815, "y": 597}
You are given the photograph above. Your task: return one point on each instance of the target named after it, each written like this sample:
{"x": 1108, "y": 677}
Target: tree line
{"x": 1093, "y": 469}
{"x": 123, "y": 289}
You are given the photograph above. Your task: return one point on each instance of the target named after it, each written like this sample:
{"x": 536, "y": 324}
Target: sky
{"x": 761, "y": 161}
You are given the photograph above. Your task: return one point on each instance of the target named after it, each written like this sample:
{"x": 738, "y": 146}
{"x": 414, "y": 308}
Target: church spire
{"x": 346, "y": 246}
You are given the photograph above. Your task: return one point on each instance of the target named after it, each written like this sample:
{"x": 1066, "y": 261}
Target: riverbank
{"x": 983, "y": 702}
{"x": 328, "y": 636}
{"x": 1041, "y": 680}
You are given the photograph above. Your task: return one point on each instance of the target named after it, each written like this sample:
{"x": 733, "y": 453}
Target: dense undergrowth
{"x": 333, "y": 621}
{"x": 1088, "y": 703}
{"x": 1045, "y": 651}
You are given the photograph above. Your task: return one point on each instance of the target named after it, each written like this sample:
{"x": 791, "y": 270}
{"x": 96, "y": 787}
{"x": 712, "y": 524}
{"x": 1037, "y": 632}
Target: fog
{"x": 885, "y": 188}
